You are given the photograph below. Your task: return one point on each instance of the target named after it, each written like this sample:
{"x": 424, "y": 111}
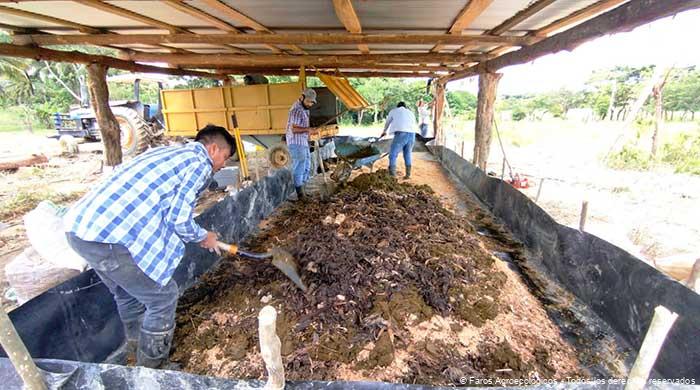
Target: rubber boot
{"x": 154, "y": 348}
{"x": 392, "y": 171}
{"x": 408, "y": 172}
{"x": 132, "y": 330}
{"x": 301, "y": 195}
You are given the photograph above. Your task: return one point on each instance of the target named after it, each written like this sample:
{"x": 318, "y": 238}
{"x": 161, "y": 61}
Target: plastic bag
{"x": 47, "y": 235}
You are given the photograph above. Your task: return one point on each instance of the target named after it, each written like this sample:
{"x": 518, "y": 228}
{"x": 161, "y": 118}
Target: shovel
{"x": 281, "y": 259}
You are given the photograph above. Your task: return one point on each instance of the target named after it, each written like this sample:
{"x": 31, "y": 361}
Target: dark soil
{"x": 379, "y": 258}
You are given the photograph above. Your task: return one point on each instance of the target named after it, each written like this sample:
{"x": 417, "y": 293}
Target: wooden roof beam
{"x": 294, "y": 72}
{"x": 232, "y": 60}
{"x": 243, "y": 19}
{"x": 197, "y": 13}
{"x": 282, "y": 39}
{"x": 513, "y": 21}
{"x": 123, "y": 12}
{"x": 347, "y": 15}
{"x": 469, "y": 13}
{"x": 49, "y": 19}
{"x": 621, "y": 19}
{"x": 43, "y": 54}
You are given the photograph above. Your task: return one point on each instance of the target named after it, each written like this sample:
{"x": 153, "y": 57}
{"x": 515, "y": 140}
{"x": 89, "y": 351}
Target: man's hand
{"x": 210, "y": 242}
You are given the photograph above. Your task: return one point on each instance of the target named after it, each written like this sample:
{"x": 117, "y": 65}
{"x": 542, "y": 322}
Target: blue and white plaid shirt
{"x": 146, "y": 205}
{"x": 298, "y": 116}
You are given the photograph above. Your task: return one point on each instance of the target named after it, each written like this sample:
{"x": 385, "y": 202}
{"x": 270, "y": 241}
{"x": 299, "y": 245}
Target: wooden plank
{"x": 290, "y": 72}
{"x": 347, "y": 15}
{"x": 39, "y": 53}
{"x": 467, "y": 15}
{"x": 123, "y": 12}
{"x": 623, "y": 18}
{"x": 213, "y": 60}
{"x": 278, "y": 39}
{"x": 49, "y": 19}
{"x": 243, "y": 19}
{"x": 578, "y": 16}
{"x": 513, "y": 21}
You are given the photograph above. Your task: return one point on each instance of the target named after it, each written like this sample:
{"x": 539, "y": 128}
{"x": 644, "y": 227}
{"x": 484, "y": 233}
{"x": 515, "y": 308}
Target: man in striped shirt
{"x": 132, "y": 228}
{"x": 297, "y": 137}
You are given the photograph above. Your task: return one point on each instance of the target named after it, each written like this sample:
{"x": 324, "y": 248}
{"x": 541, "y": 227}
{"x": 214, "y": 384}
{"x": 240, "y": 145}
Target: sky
{"x": 673, "y": 40}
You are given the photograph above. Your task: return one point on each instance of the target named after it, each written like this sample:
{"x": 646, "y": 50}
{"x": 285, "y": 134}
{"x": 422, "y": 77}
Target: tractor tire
{"x": 134, "y": 131}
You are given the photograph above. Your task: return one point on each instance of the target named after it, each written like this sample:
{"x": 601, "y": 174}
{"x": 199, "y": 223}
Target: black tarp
{"x": 622, "y": 289}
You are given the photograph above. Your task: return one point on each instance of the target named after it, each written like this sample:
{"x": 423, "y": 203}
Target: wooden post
{"x": 488, "y": 82}
{"x": 503, "y": 168}
{"x": 18, "y": 354}
{"x": 270, "y": 348}
{"x": 439, "y": 96}
{"x": 584, "y": 214}
{"x": 539, "y": 190}
{"x": 109, "y": 127}
{"x": 462, "y": 154}
{"x": 654, "y": 339}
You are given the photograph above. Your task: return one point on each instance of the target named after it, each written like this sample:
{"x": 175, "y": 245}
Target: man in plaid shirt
{"x": 297, "y": 137}
{"x": 132, "y": 227}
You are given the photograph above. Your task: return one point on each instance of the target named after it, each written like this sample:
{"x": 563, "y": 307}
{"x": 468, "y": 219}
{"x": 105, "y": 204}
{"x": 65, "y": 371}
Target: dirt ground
{"x": 365, "y": 318}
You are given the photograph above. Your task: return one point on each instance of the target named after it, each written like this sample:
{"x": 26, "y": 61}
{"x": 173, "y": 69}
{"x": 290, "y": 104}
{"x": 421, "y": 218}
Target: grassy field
{"x": 12, "y": 120}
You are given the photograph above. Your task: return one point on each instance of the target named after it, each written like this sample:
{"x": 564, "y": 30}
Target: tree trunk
{"x": 611, "y": 106}
{"x": 692, "y": 115}
{"x": 488, "y": 82}
{"x": 109, "y": 127}
{"x": 376, "y": 116}
{"x": 658, "y": 117}
{"x": 359, "y": 117}
{"x": 439, "y": 98}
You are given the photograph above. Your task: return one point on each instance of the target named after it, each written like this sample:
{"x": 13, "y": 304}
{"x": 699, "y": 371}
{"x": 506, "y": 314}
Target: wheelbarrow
{"x": 355, "y": 155}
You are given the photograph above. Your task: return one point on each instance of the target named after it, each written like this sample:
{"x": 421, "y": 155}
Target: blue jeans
{"x": 301, "y": 164}
{"x": 134, "y": 292}
{"x": 403, "y": 141}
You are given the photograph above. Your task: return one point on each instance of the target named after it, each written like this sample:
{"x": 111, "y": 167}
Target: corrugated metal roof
{"x": 294, "y": 16}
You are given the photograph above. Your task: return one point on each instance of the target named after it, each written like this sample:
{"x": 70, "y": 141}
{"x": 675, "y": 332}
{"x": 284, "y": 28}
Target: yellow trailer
{"x": 258, "y": 111}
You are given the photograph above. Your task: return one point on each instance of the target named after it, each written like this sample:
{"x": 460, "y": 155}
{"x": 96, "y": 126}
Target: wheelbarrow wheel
{"x": 279, "y": 156}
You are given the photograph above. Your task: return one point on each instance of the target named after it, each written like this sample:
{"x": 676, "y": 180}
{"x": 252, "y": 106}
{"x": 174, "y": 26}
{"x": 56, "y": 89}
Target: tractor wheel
{"x": 134, "y": 131}
{"x": 279, "y": 156}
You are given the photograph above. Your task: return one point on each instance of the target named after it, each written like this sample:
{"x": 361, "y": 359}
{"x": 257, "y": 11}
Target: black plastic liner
{"x": 78, "y": 319}
{"x": 622, "y": 289}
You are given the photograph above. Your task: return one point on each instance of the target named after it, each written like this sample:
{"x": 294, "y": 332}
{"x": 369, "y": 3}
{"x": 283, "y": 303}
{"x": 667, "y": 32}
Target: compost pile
{"x": 400, "y": 289}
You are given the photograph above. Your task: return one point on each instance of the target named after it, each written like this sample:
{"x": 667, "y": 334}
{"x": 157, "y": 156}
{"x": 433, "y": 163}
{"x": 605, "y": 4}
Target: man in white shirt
{"x": 423, "y": 117}
{"x": 402, "y": 124}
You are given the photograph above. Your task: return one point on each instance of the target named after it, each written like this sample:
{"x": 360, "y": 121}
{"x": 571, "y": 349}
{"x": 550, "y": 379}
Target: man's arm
{"x": 180, "y": 214}
{"x": 389, "y": 119}
{"x": 296, "y": 117}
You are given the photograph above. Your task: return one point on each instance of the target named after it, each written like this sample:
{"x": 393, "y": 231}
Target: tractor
{"x": 140, "y": 123}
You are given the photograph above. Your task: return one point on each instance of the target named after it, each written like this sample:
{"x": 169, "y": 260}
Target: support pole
{"x": 18, "y": 354}
{"x": 584, "y": 214}
{"x": 654, "y": 339}
{"x": 539, "y": 190}
{"x": 488, "y": 83}
{"x": 109, "y": 127}
{"x": 439, "y": 96}
{"x": 270, "y": 348}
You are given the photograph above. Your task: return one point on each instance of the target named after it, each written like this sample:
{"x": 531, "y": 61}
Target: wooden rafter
{"x": 49, "y": 19}
{"x": 293, "y": 72}
{"x": 44, "y": 54}
{"x": 280, "y": 39}
{"x": 353, "y": 67}
{"x": 245, "y": 20}
{"x": 578, "y": 16}
{"x": 347, "y": 15}
{"x": 197, "y": 13}
{"x": 469, "y": 13}
{"x": 232, "y": 60}
{"x": 513, "y": 21}
{"x": 623, "y": 18}
{"x": 123, "y": 12}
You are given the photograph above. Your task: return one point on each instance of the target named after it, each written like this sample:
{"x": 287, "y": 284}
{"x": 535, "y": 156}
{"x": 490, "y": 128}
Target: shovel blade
{"x": 284, "y": 262}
